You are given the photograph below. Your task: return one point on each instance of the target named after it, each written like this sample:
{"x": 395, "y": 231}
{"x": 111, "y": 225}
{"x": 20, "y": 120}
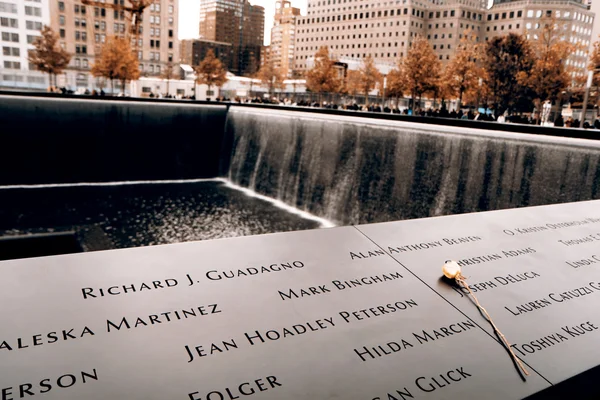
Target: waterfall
{"x": 356, "y": 170}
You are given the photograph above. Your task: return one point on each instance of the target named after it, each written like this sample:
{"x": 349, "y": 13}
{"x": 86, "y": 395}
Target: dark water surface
{"x": 103, "y": 217}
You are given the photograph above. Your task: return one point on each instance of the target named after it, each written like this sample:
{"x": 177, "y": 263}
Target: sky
{"x": 189, "y": 16}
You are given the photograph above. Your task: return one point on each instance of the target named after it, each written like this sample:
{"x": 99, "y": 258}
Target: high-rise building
{"x": 83, "y": 30}
{"x": 193, "y": 51}
{"x": 265, "y": 55}
{"x": 20, "y": 23}
{"x": 236, "y": 22}
{"x": 283, "y": 36}
{"x": 355, "y": 29}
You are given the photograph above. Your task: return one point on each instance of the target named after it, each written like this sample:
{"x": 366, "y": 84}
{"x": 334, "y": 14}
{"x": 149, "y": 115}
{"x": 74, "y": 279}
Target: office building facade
{"x": 193, "y": 51}
{"x": 83, "y": 29}
{"x": 355, "y": 29}
{"x": 238, "y": 23}
{"x": 20, "y": 24}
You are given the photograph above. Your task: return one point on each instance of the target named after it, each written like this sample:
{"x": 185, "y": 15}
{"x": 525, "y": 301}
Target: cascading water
{"x": 358, "y": 170}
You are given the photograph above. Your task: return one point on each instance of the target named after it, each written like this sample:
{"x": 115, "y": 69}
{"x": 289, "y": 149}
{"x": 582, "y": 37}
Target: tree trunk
{"x": 460, "y": 96}
{"x": 167, "y": 87}
{"x": 112, "y": 87}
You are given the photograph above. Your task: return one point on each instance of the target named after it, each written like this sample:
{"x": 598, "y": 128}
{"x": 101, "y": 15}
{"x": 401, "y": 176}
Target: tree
{"x": 211, "y": 71}
{"x": 271, "y": 76}
{"x": 352, "y": 85}
{"x": 168, "y": 74}
{"x": 396, "y": 82}
{"x": 48, "y": 56}
{"x": 422, "y": 68}
{"x": 549, "y": 75}
{"x": 461, "y": 73}
{"x": 508, "y": 57}
{"x": 323, "y": 77}
{"x": 117, "y": 61}
{"x": 594, "y": 66}
{"x": 369, "y": 77}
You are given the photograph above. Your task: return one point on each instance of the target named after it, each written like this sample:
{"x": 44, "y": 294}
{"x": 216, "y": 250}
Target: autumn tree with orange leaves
{"x": 370, "y": 77}
{"x": 48, "y": 56}
{"x": 397, "y": 83}
{"x": 461, "y": 74}
{"x": 117, "y": 62}
{"x": 422, "y": 69}
{"x": 210, "y": 71}
{"x": 352, "y": 84}
{"x": 270, "y": 76}
{"x": 323, "y": 77}
{"x": 549, "y": 75}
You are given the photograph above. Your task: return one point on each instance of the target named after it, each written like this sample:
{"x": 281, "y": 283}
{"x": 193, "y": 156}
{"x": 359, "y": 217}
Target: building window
{"x": 33, "y": 11}
{"x": 33, "y": 25}
{"x": 76, "y": 8}
{"x": 61, "y": 19}
{"x": 9, "y": 22}
{"x": 31, "y": 39}
{"x": 61, "y": 6}
{"x": 77, "y": 63}
{"x": 519, "y": 14}
{"x": 12, "y": 64}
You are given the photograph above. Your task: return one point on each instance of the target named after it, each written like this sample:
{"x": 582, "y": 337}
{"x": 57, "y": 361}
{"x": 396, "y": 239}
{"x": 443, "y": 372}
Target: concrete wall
{"x": 57, "y": 140}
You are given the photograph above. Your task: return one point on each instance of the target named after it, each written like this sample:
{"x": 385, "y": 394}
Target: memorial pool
{"x": 222, "y": 170}
{"x": 121, "y": 214}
